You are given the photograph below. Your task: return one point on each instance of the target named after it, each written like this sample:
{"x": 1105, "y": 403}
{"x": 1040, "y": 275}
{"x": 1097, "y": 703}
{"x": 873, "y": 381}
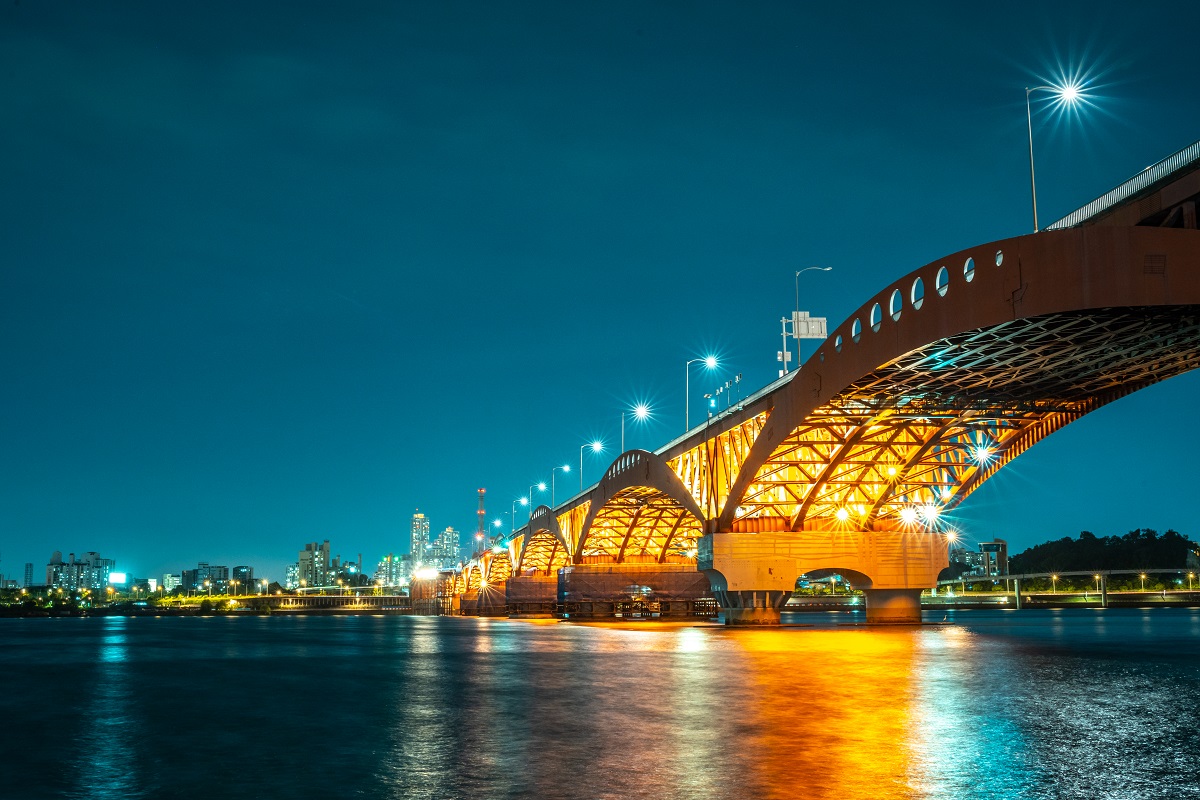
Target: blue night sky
{"x": 276, "y": 273}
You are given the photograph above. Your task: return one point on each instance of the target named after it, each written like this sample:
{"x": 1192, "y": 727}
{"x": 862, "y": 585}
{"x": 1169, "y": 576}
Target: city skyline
{"x": 259, "y": 294}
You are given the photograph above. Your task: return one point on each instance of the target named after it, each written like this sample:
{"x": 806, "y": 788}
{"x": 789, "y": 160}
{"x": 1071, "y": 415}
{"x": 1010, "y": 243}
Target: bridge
{"x": 852, "y": 462}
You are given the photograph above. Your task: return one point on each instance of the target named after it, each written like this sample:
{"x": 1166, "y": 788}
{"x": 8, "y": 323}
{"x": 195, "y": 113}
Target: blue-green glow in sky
{"x": 279, "y": 272}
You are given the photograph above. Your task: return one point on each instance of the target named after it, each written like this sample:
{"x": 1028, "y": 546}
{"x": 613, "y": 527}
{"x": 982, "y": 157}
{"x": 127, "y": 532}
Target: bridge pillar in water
{"x": 1104, "y": 591}
{"x": 1017, "y": 591}
{"x": 894, "y": 568}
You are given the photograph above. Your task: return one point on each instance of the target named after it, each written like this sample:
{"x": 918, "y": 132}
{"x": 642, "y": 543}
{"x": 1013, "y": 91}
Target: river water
{"x": 993, "y": 704}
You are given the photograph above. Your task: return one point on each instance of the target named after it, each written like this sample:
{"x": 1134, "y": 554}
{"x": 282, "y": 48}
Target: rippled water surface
{"x": 996, "y": 704}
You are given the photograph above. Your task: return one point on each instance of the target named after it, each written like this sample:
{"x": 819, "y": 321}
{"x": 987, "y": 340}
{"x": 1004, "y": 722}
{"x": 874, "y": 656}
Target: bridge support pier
{"x": 754, "y": 574}
{"x": 751, "y": 608}
{"x": 893, "y": 606}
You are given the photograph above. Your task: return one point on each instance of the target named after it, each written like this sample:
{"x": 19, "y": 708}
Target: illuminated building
{"x": 313, "y": 566}
{"x": 390, "y": 571}
{"x": 216, "y": 575}
{"x": 443, "y": 552}
{"x": 90, "y": 572}
{"x": 171, "y": 582}
{"x": 419, "y": 542}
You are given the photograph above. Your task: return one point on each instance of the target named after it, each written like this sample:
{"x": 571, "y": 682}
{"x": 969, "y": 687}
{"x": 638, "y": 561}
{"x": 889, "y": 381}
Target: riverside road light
{"x": 564, "y": 469}
{"x": 1067, "y": 94}
{"x": 710, "y": 362}
{"x": 597, "y": 448}
{"x": 640, "y": 412}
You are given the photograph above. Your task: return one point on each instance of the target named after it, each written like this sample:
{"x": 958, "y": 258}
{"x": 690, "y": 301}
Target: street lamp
{"x": 710, "y": 362}
{"x": 1190, "y": 576}
{"x": 597, "y": 448}
{"x": 796, "y": 333}
{"x": 208, "y": 585}
{"x": 1067, "y": 94}
{"x": 541, "y": 487}
{"x": 564, "y": 469}
{"x": 1143, "y": 577}
{"x": 1097, "y": 577}
{"x": 523, "y": 501}
{"x": 1053, "y": 584}
{"x": 640, "y": 412}
{"x": 498, "y": 524}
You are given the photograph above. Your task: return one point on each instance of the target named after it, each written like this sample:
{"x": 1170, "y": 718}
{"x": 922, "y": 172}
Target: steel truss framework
{"x": 915, "y": 437}
{"x": 890, "y": 425}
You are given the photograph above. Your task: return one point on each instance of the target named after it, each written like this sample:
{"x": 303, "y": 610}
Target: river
{"x": 1074, "y": 703}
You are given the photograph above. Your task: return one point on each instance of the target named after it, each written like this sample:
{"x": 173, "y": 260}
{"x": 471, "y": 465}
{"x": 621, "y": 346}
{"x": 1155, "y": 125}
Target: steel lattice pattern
{"x": 641, "y": 524}
{"x": 916, "y": 436}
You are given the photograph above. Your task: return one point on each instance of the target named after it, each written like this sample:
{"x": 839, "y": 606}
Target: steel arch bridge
{"x": 916, "y": 399}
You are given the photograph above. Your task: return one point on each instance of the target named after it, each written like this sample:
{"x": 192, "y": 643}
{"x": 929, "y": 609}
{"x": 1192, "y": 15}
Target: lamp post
{"x": 640, "y": 412}
{"x": 709, "y": 362}
{"x": 1097, "y": 577}
{"x": 564, "y": 468}
{"x": 523, "y": 501}
{"x": 1053, "y": 584}
{"x": 1143, "y": 577}
{"x": 1067, "y": 94}
{"x": 597, "y": 448}
{"x": 1190, "y": 576}
{"x": 796, "y": 333}
{"x": 541, "y": 487}
{"x": 498, "y": 524}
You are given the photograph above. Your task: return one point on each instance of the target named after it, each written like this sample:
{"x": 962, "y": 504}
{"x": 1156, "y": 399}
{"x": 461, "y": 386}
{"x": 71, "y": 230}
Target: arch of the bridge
{"x": 497, "y": 566}
{"x": 542, "y": 551}
{"x": 951, "y": 372}
{"x": 640, "y": 511}
{"x": 474, "y": 572}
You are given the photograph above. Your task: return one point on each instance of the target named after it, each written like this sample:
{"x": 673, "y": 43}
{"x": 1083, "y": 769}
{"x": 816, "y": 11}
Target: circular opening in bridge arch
{"x": 876, "y": 317}
{"x": 837, "y": 343}
{"x": 969, "y": 270}
{"x": 943, "y": 281}
{"x": 896, "y": 305}
{"x": 856, "y": 331}
{"x": 999, "y": 258}
{"x": 918, "y": 293}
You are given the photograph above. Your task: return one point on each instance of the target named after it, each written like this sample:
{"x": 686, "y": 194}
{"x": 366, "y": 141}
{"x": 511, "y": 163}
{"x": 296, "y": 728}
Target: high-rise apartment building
{"x": 291, "y": 576}
{"x": 443, "y": 552}
{"x": 28, "y": 575}
{"x": 89, "y": 572}
{"x": 390, "y": 571}
{"x": 216, "y": 575}
{"x": 313, "y": 565}
{"x": 419, "y": 542}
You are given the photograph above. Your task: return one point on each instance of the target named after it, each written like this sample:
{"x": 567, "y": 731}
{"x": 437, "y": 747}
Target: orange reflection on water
{"x": 823, "y": 713}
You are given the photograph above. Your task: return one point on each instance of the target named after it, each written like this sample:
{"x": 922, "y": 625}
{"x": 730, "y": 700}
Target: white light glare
{"x": 597, "y": 446}
{"x": 908, "y": 515}
{"x": 983, "y": 454}
{"x": 842, "y": 515}
{"x": 710, "y": 362}
{"x": 641, "y": 411}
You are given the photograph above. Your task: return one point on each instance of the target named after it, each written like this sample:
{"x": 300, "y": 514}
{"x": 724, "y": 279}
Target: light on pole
{"x": 1190, "y": 576}
{"x": 597, "y": 448}
{"x": 524, "y": 501}
{"x": 564, "y": 469}
{"x": 1053, "y": 584}
{"x": 710, "y": 362}
{"x": 1097, "y": 577}
{"x": 541, "y": 487}
{"x": 1143, "y": 577}
{"x": 498, "y": 524}
{"x": 1067, "y": 94}
{"x": 795, "y": 319}
{"x": 640, "y": 412}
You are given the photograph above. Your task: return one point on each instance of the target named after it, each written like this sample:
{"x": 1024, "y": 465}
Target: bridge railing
{"x": 1147, "y": 177}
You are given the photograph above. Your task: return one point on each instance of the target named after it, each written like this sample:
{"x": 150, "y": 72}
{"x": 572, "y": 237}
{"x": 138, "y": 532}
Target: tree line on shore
{"x": 1139, "y": 549}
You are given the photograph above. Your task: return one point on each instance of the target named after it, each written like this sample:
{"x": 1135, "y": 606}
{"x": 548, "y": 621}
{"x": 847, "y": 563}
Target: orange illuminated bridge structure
{"x": 853, "y": 462}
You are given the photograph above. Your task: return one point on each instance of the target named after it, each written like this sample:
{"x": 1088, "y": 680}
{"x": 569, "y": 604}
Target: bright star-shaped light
{"x": 710, "y": 362}
{"x": 641, "y": 411}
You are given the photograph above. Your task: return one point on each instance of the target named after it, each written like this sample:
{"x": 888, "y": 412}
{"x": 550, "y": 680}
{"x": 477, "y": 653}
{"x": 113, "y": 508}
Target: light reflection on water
{"x": 1064, "y": 704}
